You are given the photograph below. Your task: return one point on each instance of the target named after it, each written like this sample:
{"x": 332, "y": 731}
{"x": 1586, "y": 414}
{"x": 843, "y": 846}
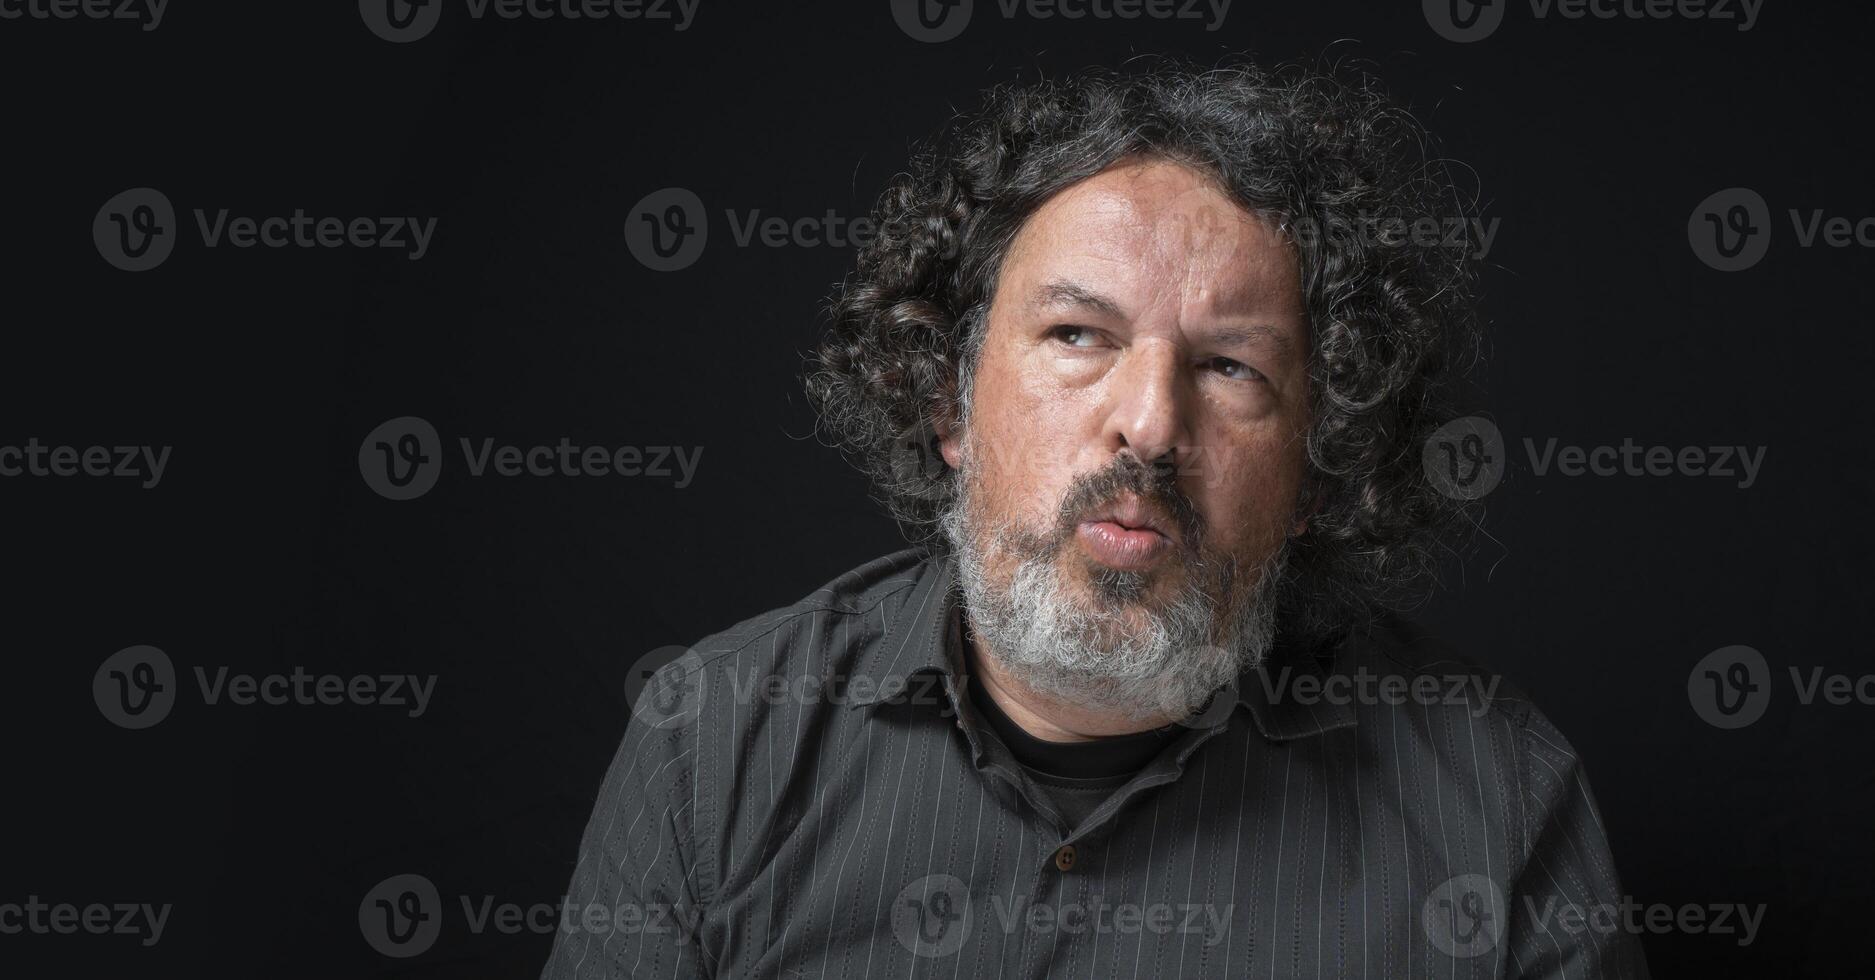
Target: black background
{"x": 529, "y": 141}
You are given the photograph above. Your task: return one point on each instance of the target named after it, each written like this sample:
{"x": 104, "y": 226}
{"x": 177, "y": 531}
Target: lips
{"x": 1132, "y": 514}
{"x": 1127, "y": 535}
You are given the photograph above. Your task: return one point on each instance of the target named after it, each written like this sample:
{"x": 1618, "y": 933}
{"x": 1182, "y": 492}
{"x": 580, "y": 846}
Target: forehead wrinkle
{"x": 1147, "y": 238}
{"x": 1232, "y": 285}
{"x": 1220, "y": 260}
{"x": 1066, "y": 291}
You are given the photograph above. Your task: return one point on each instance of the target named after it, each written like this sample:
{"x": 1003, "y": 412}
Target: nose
{"x": 1149, "y": 405}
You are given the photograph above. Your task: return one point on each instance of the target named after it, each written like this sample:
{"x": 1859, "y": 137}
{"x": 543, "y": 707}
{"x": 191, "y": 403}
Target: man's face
{"x": 1139, "y": 404}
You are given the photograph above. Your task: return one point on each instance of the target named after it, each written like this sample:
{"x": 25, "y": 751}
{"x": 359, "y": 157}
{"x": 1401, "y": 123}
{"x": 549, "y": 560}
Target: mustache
{"x": 1155, "y": 484}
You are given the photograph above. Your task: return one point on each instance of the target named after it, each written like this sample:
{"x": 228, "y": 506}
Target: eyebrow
{"x": 1063, "y": 292}
{"x": 1252, "y": 335}
{"x": 1067, "y": 293}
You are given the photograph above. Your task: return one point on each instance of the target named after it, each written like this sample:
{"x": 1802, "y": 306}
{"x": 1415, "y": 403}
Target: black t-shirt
{"x": 1077, "y": 776}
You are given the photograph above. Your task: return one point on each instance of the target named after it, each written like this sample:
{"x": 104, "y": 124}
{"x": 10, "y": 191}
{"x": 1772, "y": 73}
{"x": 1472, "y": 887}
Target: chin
{"x": 1106, "y": 588}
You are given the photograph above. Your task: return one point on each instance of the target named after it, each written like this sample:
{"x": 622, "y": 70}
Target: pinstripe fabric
{"x": 820, "y": 802}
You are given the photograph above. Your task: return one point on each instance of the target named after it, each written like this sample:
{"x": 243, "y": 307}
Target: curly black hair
{"x": 1344, "y": 173}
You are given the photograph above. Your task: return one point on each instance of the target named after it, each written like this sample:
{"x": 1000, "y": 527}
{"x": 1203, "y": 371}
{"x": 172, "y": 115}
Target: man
{"x": 1139, "y": 364}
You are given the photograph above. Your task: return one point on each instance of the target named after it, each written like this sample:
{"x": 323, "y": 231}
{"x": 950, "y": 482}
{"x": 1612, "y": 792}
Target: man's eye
{"x": 1235, "y": 369}
{"x": 1075, "y": 336}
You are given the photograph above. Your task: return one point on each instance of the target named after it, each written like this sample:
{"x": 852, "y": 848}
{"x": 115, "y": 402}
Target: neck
{"x": 1042, "y": 714}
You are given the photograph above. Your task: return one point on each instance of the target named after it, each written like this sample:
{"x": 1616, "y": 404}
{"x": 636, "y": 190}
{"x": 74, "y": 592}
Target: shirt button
{"x": 1064, "y": 858}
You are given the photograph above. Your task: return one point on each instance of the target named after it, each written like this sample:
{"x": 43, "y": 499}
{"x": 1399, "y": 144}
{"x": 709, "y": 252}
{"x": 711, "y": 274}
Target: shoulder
{"x": 1412, "y": 675}
{"x": 1414, "y": 665}
{"x": 770, "y": 668}
{"x": 1450, "y": 696}
{"x": 841, "y": 616}
{"x": 703, "y": 708}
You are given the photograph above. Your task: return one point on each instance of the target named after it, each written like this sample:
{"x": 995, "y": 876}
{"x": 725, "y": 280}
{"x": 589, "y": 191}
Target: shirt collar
{"x": 915, "y": 639}
{"x": 918, "y": 641}
{"x": 1281, "y": 719}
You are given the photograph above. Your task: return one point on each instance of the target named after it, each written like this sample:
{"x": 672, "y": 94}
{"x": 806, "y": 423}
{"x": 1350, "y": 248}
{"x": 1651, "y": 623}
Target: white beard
{"x": 1057, "y": 643}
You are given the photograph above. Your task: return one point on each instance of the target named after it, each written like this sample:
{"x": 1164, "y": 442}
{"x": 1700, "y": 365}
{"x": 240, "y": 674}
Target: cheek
{"x": 1247, "y": 492}
{"x": 1021, "y": 467}
{"x": 1024, "y": 443}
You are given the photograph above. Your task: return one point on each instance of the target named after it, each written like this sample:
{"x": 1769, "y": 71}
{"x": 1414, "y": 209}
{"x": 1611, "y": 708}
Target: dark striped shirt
{"x": 809, "y": 794}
